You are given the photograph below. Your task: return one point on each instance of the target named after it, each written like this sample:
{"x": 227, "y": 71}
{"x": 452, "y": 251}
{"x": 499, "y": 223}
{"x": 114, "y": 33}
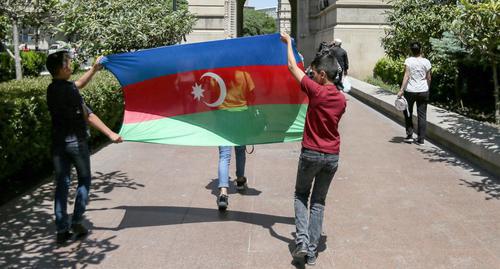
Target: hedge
{"x": 25, "y": 123}
{"x": 32, "y": 62}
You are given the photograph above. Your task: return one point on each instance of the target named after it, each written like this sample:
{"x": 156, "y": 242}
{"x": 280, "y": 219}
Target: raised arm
{"x": 82, "y": 82}
{"x": 297, "y": 73}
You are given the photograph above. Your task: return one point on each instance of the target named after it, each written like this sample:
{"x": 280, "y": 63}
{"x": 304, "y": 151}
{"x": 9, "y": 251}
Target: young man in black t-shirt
{"x": 70, "y": 134}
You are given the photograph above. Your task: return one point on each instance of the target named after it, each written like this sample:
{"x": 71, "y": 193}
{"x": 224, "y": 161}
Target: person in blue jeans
{"x": 319, "y": 156}
{"x": 70, "y": 133}
{"x": 241, "y": 180}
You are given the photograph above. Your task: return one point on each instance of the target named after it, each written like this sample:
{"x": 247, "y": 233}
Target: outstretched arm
{"x": 82, "y": 82}
{"x": 96, "y": 122}
{"x": 297, "y": 73}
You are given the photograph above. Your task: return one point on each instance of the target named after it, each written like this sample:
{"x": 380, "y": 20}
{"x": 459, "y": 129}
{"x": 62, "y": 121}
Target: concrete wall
{"x": 360, "y": 25}
{"x": 212, "y": 20}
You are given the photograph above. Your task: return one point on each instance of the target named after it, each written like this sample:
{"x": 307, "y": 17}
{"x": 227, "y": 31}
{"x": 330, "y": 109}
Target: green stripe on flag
{"x": 258, "y": 125}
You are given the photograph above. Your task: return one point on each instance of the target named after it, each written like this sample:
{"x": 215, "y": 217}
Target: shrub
{"x": 389, "y": 70}
{"x": 7, "y": 71}
{"x": 25, "y": 123}
{"x": 32, "y": 63}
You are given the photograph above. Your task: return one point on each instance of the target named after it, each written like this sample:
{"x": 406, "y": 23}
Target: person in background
{"x": 415, "y": 88}
{"x": 341, "y": 56}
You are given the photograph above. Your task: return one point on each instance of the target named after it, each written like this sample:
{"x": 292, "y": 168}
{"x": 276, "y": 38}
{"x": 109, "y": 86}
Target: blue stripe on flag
{"x": 134, "y": 67}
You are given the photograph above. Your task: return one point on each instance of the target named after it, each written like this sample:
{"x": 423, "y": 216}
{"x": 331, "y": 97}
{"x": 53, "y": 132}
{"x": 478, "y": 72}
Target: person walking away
{"x": 415, "y": 88}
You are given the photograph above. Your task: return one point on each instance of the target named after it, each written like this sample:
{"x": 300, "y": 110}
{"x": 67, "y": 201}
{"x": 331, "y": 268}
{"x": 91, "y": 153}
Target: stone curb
{"x": 478, "y": 142}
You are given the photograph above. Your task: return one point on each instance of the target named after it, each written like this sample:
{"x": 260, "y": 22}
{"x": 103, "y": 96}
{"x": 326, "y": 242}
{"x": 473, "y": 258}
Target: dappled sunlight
{"x": 481, "y": 181}
{"x": 27, "y": 232}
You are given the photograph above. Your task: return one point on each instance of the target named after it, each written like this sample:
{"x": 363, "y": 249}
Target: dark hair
{"x": 327, "y": 63}
{"x": 323, "y": 49}
{"x": 56, "y": 61}
{"x": 415, "y": 48}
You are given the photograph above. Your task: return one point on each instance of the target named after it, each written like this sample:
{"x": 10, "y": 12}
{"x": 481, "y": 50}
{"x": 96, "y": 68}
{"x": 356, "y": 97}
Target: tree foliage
{"x": 477, "y": 27}
{"x": 112, "y": 26}
{"x": 257, "y": 23}
{"x": 30, "y": 13}
{"x": 416, "y": 20}
{"x": 4, "y": 27}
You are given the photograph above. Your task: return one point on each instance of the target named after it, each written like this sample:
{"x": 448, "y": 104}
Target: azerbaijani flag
{"x": 227, "y": 92}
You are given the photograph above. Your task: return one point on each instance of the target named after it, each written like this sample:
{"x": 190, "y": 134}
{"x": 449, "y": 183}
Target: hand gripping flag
{"x": 227, "y": 92}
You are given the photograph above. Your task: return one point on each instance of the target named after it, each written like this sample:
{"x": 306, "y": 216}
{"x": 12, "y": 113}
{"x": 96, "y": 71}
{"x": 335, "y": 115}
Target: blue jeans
{"x": 78, "y": 154}
{"x": 225, "y": 158}
{"x": 320, "y": 168}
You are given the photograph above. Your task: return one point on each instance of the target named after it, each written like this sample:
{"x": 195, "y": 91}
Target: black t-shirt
{"x": 67, "y": 112}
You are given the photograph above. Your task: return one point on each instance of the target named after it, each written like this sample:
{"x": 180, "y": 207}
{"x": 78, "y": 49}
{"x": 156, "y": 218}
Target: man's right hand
{"x": 285, "y": 37}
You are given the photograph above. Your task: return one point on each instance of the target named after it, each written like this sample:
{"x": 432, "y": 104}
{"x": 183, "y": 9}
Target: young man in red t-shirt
{"x": 320, "y": 148}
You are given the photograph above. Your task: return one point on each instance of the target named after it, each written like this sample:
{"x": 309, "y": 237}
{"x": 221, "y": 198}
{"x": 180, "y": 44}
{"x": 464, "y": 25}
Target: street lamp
{"x": 175, "y": 5}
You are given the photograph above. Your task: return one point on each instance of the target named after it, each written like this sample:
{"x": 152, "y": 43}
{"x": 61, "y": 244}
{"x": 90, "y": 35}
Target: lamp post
{"x": 175, "y": 4}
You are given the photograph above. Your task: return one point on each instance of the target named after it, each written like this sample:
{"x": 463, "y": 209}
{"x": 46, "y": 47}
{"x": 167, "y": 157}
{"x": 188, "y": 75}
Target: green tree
{"x": 17, "y": 12}
{"x": 477, "y": 27}
{"x": 257, "y": 23}
{"x": 113, "y": 26}
{"x": 42, "y": 16}
{"x": 416, "y": 20}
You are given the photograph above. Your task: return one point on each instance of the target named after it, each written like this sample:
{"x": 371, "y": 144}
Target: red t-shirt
{"x": 326, "y": 106}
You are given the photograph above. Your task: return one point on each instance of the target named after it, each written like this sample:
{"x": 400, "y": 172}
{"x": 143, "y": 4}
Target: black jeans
{"x": 421, "y": 98}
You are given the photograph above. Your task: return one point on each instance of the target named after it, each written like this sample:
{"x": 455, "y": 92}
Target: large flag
{"x": 227, "y": 92}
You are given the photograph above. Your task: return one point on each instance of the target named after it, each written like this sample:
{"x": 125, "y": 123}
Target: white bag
{"x": 347, "y": 85}
{"x": 401, "y": 104}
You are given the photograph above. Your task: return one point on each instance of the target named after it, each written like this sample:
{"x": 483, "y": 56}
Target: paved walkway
{"x": 392, "y": 205}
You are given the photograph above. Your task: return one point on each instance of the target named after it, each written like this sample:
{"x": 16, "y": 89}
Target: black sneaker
{"x": 63, "y": 237}
{"x": 300, "y": 251}
{"x": 241, "y": 183}
{"x": 419, "y": 141}
{"x": 79, "y": 230}
{"x": 408, "y": 139}
{"x": 311, "y": 259}
{"x": 222, "y": 202}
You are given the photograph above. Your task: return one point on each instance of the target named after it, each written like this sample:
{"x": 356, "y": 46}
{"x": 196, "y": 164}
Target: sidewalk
{"x": 392, "y": 205}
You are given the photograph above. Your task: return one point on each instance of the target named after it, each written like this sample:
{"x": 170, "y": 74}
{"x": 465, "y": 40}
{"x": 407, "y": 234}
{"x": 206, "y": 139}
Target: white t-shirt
{"x": 418, "y": 72}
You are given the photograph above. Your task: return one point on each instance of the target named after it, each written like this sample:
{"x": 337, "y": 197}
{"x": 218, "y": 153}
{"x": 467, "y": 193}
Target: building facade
{"x": 359, "y": 24}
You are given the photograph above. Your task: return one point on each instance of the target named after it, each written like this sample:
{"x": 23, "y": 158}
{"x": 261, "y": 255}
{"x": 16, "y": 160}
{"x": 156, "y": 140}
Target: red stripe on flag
{"x": 177, "y": 94}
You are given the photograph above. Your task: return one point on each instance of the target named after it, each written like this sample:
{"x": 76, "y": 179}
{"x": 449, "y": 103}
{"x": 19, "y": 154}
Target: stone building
{"x": 360, "y": 25}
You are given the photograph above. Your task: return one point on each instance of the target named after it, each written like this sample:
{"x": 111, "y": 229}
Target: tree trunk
{"x": 17, "y": 57}
{"x": 37, "y": 37}
{"x": 495, "y": 92}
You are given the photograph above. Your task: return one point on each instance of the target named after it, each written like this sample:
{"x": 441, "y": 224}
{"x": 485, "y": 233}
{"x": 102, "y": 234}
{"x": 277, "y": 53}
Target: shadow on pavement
{"x": 482, "y": 182}
{"x": 27, "y": 230}
{"x": 214, "y": 183}
{"x": 147, "y": 216}
{"x": 397, "y": 139}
